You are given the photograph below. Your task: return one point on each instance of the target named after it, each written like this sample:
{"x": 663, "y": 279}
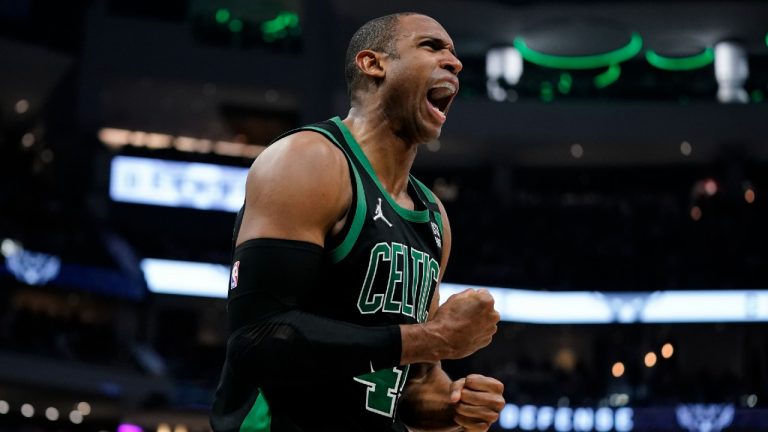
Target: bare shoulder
{"x": 297, "y": 189}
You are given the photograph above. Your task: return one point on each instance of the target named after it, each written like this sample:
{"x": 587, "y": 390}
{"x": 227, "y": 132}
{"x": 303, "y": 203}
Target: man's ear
{"x": 370, "y": 63}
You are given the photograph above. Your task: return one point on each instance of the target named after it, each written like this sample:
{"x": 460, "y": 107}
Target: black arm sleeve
{"x": 280, "y": 342}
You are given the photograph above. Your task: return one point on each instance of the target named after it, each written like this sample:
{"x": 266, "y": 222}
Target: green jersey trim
{"x": 431, "y": 198}
{"x": 409, "y": 215}
{"x": 259, "y": 418}
{"x": 343, "y": 249}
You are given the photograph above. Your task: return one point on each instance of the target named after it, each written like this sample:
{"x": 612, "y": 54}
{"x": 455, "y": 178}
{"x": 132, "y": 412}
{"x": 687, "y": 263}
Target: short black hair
{"x": 378, "y": 35}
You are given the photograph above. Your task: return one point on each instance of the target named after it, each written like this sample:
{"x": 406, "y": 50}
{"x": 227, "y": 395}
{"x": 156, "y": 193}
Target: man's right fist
{"x": 465, "y": 323}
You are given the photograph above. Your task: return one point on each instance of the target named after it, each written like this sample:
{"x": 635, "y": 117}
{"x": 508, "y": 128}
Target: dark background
{"x": 551, "y": 187}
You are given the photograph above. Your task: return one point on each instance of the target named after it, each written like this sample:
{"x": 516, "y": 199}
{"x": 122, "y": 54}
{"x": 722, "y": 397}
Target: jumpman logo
{"x": 380, "y": 215}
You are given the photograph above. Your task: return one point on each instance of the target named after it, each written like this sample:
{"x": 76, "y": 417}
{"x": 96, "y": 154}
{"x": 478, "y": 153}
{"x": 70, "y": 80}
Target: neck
{"x": 391, "y": 155}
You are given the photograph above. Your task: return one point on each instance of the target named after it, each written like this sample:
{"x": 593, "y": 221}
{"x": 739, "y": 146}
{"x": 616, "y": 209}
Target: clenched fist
{"x": 477, "y": 400}
{"x": 465, "y": 323}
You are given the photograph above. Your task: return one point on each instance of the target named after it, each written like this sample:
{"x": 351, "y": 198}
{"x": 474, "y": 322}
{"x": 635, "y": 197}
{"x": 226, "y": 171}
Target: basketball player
{"x": 333, "y": 302}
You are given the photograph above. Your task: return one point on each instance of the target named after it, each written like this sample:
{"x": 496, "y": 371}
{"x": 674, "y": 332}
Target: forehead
{"x": 411, "y": 26}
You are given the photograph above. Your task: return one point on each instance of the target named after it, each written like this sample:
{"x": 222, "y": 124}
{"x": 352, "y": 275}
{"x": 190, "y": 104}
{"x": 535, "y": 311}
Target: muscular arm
{"x": 299, "y": 190}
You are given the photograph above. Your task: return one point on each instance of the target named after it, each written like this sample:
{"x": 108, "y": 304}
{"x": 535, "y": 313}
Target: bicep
{"x": 296, "y": 190}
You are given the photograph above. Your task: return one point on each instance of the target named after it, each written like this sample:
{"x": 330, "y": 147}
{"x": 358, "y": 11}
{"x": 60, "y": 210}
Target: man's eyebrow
{"x": 440, "y": 41}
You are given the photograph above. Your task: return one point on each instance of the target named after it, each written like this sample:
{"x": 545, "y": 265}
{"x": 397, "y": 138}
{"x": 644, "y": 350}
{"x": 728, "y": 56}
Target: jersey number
{"x": 383, "y": 386}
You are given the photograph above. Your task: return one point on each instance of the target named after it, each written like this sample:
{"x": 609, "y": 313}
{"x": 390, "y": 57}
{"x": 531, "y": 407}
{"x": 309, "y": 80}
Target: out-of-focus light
{"x": 610, "y": 76}
{"x": 27, "y": 410}
{"x": 751, "y": 400}
{"x": 75, "y": 417}
{"x": 9, "y": 247}
{"x": 125, "y": 427}
{"x": 236, "y": 26}
{"x": 504, "y": 62}
{"x": 697, "y": 61}
{"x": 618, "y": 399}
{"x": 180, "y": 428}
{"x": 577, "y": 151}
{"x": 546, "y": 93}
{"x": 51, "y": 413}
{"x": 84, "y": 408}
{"x": 710, "y": 187}
{"x": 595, "y": 61}
{"x": 757, "y": 96}
{"x": 695, "y": 213}
{"x": 731, "y": 72}
{"x": 650, "y": 360}
{"x": 434, "y": 146}
{"x": 617, "y": 370}
{"x": 163, "y": 427}
{"x": 667, "y": 350}
{"x": 222, "y": 16}
{"x": 749, "y": 195}
{"x": 565, "y": 83}
{"x": 22, "y": 105}
{"x": 686, "y": 148}
{"x": 46, "y": 156}
{"x": 28, "y": 140}
{"x": 4, "y": 407}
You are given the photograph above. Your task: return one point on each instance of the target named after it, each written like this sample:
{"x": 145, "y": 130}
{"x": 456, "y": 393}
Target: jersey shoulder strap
{"x": 430, "y": 201}
{"x": 341, "y": 244}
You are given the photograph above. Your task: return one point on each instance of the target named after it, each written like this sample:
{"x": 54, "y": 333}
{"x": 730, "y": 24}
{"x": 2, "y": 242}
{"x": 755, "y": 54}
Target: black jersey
{"x": 381, "y": 269}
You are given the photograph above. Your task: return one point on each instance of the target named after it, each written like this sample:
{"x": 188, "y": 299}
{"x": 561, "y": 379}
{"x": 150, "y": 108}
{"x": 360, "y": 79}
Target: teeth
{"x": 444, "y": 89}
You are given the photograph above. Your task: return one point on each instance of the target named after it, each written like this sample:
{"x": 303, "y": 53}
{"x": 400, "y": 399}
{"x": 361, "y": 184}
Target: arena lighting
{"x": 504, "y": 62}
{"x": 4, "y": 407}
{"x": 21, "y": 106}
{"x": 185, "y": 278}
{"x": 686, "y": 148}
{"x": 235, "y": 26}
{"x": 697, "y": 61}
{"x": 565, "y": 83}
{"x": 731, "y": 72}
{"x": 610, "y": 76}
{"x": 285, "y": 23}
{"x": 667, "y": 350}
{"x": 51, "y": 413}
{"x": 565, "y": 419}
{"x": 617, "y": 370}
{"x": 631, "y": 49}
{"x": 200, "y": 186}
{"x": 519, "y": 305}
{"x": 115, "y": 139}
{"x": 84, "y": 408}
{"x": 222, "y": 16}
{"x": 75, "y": 417}
{"x": 27, "y": 410}
{"x": 650, "y": 359}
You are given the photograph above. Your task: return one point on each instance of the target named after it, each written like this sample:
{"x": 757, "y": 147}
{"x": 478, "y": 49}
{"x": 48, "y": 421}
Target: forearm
{"x": 271, "y": 330}
{"x": 426, "y": 404}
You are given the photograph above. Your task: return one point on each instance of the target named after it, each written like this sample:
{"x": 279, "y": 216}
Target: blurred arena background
{"x": 605, "y": 170}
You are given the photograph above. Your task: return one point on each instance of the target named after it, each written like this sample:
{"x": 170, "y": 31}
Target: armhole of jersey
{"x": 359, "y": 206}
{"x": 431, "y": 198}
{"x": 259, "y": 418}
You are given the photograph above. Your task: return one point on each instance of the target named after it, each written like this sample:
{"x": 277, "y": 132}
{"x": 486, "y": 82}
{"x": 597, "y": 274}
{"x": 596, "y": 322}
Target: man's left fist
{"x": 478, "y": 401}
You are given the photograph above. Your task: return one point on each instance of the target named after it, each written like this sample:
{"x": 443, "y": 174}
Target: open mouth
{"x": 439, "y": 98}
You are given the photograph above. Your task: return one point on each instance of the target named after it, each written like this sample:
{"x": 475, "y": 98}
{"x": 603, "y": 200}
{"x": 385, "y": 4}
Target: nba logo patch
{"x": 235, "y": 271}
{"x": 436, "y": 232}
